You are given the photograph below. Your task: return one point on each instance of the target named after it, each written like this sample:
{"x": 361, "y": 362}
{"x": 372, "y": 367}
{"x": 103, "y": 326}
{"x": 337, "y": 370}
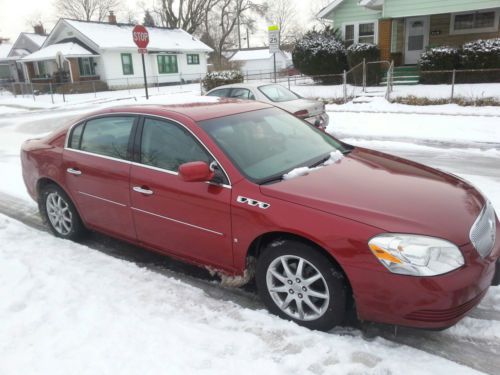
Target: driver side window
{"x": 167, "y": 145}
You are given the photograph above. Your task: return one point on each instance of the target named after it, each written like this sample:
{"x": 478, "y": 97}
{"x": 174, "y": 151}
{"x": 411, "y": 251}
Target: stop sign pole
{"x": 141, "y": 38}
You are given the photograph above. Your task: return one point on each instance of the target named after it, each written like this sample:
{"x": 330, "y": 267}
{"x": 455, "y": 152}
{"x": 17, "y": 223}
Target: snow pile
{"x": 361, "y": 47}
{"x": 335, "y": 156}
{"x": 78, "y": 311}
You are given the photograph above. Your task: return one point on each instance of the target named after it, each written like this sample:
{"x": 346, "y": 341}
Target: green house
{"x": 403, "y": 29}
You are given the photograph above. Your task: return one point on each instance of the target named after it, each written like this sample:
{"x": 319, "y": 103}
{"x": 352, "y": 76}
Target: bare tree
{"x": 188, "y": 15}
{"x": 221, "y": 21}
{"x": 283, "y": 14}
{"x": 85, "y": 10}
{"x": 148, "y": 19}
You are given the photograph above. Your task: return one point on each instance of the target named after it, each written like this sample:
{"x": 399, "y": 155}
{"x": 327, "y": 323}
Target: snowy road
{"x": 474, "y": 342}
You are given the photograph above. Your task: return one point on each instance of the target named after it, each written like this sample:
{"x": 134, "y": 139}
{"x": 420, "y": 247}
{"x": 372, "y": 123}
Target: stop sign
{"x": 140, "y": 36}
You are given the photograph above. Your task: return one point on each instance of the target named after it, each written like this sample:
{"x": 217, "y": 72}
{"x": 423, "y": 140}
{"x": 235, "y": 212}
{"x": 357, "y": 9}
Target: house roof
{"x": 119, "y": 36}
{"x": 67, "y": 49}
{"x": 36, "y": 38}
{"x": 4, "y": 50}
{"x": 256, "y": 54}
{"x": 329, "y": 8}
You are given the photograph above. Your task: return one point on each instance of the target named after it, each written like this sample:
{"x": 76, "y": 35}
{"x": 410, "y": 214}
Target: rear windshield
{"x": 278, "y": 93}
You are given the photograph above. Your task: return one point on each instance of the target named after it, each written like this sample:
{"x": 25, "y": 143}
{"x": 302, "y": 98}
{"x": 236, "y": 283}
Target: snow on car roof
{"x": 107, "y": 35}
{"x": 50, "y": 52}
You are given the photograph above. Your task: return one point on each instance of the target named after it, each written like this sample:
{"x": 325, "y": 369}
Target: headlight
{"x": 408, "y": 254}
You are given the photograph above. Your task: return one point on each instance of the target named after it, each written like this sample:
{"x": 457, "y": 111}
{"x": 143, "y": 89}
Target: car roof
{"x": 245, "y": 85}
{"x": 196, "y": 110}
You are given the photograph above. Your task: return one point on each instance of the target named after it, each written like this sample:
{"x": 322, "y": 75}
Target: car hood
{"x": 391, "y": 193}
{"x": 312, "y": 106}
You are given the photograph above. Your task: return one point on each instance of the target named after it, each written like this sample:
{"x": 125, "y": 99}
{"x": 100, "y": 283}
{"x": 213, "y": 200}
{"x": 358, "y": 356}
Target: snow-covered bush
{"x": 481, "y": 54}
{"x": 216, "y": 79}
{"x": 440, "y": 58}
{"x": 320, "y": 53}
{"x": 355, "y": 55}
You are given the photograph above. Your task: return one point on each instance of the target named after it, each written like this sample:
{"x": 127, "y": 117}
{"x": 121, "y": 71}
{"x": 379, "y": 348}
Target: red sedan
{"x": 251, "y": 191}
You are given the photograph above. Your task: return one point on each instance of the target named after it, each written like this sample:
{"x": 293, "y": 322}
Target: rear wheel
{"x": 60, "y": 213}
{"x": 298, "y": 283}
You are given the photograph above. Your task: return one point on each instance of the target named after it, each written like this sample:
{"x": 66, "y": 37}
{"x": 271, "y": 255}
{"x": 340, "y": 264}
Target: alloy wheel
{"x": 59, "y": 214}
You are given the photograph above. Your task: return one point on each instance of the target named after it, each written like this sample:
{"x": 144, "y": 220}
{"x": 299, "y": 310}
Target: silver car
{"x": 312, "y": 111}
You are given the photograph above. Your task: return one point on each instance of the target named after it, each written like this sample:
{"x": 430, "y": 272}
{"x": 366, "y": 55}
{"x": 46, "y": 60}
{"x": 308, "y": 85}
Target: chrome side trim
{"x": 66, "y": 143}
{"x": 98, "y": 156}
{"x": 178, "y": 222}
{"x": 102, "y": 199}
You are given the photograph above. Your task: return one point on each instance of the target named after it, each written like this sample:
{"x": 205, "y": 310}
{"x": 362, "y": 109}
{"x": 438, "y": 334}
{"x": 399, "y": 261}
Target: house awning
{"x": 68, "y": 50}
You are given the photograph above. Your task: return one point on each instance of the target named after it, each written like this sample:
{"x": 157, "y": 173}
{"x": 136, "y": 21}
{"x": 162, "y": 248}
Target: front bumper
{"x": 426, "y": 302}
{"x": 320, "y": 121}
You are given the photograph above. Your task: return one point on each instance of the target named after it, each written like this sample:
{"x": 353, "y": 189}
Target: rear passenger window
{"x": 108, "y": 136}
{"x": 222, "y": 93}
{"x": 242, "y": 94}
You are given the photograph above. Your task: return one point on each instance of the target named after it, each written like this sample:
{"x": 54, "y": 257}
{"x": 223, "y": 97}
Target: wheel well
{"x": 259, "y": 244}
{"x": 42, "y": 183}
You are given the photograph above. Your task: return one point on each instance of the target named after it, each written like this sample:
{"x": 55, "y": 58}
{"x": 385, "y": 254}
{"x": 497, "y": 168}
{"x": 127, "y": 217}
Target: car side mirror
{"x": 195, "y": 171}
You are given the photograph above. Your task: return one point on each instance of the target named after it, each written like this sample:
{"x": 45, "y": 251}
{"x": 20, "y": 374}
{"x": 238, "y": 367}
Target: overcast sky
{"x": 16, "y": 14}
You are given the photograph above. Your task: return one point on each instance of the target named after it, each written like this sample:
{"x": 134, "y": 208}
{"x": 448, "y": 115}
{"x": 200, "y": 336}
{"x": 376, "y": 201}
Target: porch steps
{"x": 404, "y": 75}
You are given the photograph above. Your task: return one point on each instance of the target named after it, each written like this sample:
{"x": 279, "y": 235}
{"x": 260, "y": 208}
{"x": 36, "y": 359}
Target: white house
{"x": 261, "y": 61}
{"x": 105, "y": 51}
{"x": 26, "y": 43}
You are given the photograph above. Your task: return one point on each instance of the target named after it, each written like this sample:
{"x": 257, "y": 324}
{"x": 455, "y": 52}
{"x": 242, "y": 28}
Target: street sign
{"x": 140, "y": 36}
{"x": 274, "y": 39}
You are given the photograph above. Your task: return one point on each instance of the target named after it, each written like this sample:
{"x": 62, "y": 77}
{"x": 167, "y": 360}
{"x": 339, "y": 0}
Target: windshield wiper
{"x": 271, "y": 179}
{"x": 321, "y": 161}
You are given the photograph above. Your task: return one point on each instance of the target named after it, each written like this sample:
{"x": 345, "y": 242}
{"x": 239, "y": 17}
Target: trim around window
{"x": 127, "y": 66}
{"x": 193, "y": 59}
{"x": 356, "y": 31}
{"x": 491, "y": 29}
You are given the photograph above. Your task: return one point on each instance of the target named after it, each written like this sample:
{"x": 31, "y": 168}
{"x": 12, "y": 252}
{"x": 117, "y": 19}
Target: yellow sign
{"x": 273, "y": 28}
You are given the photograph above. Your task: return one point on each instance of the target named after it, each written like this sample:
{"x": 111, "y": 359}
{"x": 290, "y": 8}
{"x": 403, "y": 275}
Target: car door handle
{"x": 142, "y": 190}
{"x": 76, "y": 172}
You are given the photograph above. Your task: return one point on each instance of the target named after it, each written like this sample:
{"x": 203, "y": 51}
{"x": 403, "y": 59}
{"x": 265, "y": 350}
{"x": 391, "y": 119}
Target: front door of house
{"x": 417, "y": 38}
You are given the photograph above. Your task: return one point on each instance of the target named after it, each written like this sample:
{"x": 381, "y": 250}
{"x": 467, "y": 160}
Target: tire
{"x": 320, "y": 289}
{"x": 60, "y": 214}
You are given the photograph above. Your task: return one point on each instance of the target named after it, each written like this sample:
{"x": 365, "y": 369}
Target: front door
{"x": 188, "y": 219}
{"x": 417, "y": 38}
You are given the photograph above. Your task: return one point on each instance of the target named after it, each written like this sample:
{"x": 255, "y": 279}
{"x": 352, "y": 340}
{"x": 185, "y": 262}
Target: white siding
{"x": 264, "y": 66}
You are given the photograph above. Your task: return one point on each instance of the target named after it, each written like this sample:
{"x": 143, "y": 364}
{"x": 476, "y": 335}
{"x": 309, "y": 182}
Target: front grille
{"x": 482, "y": 233}
{"x": 448, "y": 314}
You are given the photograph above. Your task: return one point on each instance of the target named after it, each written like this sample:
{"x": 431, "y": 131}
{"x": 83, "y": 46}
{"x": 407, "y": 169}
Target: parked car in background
{"x": 312, "y": 111}
{"x": 249, "y": 190}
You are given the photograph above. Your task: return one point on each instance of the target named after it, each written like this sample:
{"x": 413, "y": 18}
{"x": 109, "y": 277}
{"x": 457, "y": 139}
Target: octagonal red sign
{"x": 140, "y": 36}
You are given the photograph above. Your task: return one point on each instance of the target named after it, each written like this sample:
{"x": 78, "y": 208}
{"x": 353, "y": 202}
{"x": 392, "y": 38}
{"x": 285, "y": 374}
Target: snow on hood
{"x": 335, "y": 156}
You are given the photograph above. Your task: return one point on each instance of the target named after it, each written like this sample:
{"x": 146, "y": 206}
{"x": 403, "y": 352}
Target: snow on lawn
{"x": 460, "y": 129}
{"x": 65, "y": 308}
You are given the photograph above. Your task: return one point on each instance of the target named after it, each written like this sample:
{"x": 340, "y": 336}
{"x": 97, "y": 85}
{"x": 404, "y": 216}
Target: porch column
{"x": 384, "y": 38}
{"x": 29, "y": 71}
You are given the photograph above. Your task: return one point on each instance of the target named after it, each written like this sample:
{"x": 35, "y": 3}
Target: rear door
{"x": 189, "y": 219}
{"x": 97, "y": 165}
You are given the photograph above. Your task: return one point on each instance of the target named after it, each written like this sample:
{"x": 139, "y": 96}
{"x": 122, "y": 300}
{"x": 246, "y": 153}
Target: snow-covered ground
{"x": 67, "y": 308}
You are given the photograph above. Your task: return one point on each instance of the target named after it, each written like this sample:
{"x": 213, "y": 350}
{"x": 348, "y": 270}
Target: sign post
{"x": 274, "y": 44}
{"x": 141, "y": 39}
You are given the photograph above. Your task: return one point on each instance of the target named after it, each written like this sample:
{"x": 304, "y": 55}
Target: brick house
{"x": 403, "y": 29}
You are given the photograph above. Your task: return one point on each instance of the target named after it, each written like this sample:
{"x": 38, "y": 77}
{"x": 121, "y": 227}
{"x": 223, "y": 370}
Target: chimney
{"x": 38, "y": 28}
{"x": 112, "y": 17}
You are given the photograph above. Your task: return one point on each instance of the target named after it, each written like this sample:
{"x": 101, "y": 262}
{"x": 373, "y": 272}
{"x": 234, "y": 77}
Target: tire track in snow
{"x": 475, "y": 353}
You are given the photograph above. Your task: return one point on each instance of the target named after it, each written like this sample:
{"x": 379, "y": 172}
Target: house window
{"x": 476, "y": 22}
{"x": 127, "y": 64}
{"x": 366, "y": 33}
{"x": 42, "y": 69}
{"x": 193, "y": 59}
{"x": 86, "y": 66}
{"x": 167, "y": 64}
{"x": 360, "y": 33}
{"x": 349, "y": 35}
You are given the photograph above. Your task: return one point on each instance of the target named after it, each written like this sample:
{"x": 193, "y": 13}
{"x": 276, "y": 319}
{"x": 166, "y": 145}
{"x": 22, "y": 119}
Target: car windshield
{"x": 278, "y": 93}
{"x": 266, "y": 144}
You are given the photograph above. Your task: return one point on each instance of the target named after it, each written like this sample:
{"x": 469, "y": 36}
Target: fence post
{"x": 201, "y": 84}
{"x": 33, "y": 92}
{"x": 288, "y": 81}
{"x": 128, "y": 86}
{"x": 51, "y": 92}
{"x": 364, "y": 75}
{"x": 389, "y": 82}
{"x": 93, "y": 87}
{"x": 453, "y": 85}
{"x": 14, "y": 90}
{"x": 344, "y": 82}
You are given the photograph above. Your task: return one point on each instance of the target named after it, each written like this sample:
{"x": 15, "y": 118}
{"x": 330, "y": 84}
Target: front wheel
{"x": 297, "y": 282}
{"x": 60, "y": 213}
